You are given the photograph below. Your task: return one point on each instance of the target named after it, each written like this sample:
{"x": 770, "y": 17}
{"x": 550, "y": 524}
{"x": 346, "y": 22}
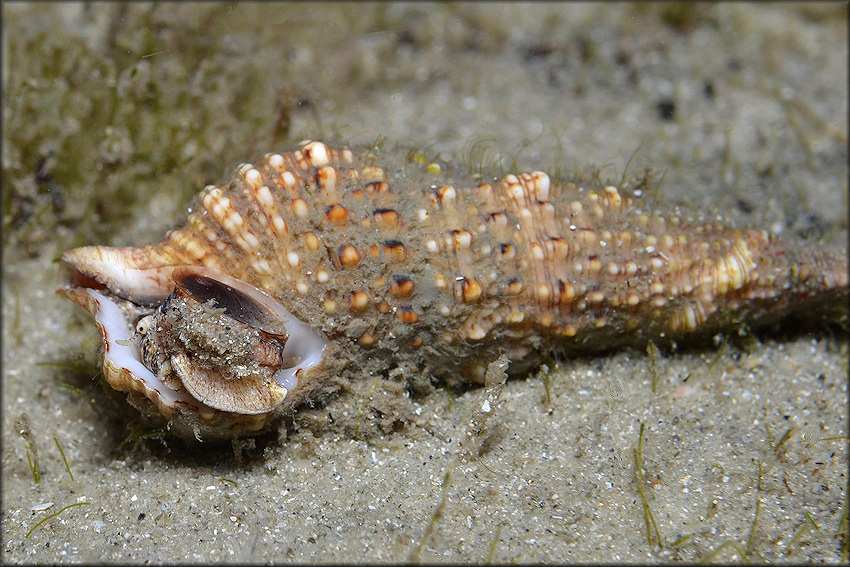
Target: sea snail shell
{"x": 317, "y": 266}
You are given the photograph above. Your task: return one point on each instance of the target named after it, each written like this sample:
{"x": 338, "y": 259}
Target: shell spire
{"x": 302, "y": 271}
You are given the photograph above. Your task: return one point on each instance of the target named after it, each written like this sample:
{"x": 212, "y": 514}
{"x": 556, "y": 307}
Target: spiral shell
{"x": 342, "y": 260}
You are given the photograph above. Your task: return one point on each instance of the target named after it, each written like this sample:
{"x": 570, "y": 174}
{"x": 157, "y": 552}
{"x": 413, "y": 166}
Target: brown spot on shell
{"x": 514, "y": 286}
{"x": 337, "y": 214}
{"x": 326, "y": 179}
{"x": 566, "y": 292}
{"x": 377, "y": 187}
{"x": 300, "y": 208}
{"x": 475, "y": 330}
{"x": 359, "y": 299}
{"x": 386, "y": 218}
{"x": 407, "y": 314}
{"x": 594, "y": 264}
{"x": 559, "y": 247}
{"x": 497, "y": 219}
{"x": 401, "y": 286}
{"x": 395, "y": 249}
{"x": 461, "y": 238}
{"x": 445, "y": 195}
{"x": 505, "y": 251}
{"x": 348, "y": 255}
{"x": 467, "y": 290}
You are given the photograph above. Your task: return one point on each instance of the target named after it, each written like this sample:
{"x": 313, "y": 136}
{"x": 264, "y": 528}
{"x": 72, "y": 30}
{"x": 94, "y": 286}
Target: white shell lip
{"x": 115, "y": 327}
{"x": 306, "y": 345}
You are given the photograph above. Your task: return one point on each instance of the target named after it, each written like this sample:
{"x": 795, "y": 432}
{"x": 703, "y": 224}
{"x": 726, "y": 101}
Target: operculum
{"x": 218, "y": 342}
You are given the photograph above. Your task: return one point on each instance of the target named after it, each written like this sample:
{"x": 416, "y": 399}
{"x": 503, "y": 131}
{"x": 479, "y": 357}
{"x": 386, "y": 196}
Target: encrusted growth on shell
{"x": 378, "y": 268}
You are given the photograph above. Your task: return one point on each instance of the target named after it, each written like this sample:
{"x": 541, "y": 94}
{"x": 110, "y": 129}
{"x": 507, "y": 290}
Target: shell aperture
{"x": 208, "y": 338}
{"x": 214, "y": 343}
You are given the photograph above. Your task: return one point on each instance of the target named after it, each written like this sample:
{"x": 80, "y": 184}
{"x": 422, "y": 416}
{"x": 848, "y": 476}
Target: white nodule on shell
{"x": 264, "y": 197}
{"x": 276, "y": 161}
{"x": 253, "y": 177}
{"x": 543, "y": 184}
{"x": 318, "y": 153}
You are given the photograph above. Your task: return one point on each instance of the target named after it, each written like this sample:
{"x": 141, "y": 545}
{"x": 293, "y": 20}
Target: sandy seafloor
{"x": 758, "y": 134}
